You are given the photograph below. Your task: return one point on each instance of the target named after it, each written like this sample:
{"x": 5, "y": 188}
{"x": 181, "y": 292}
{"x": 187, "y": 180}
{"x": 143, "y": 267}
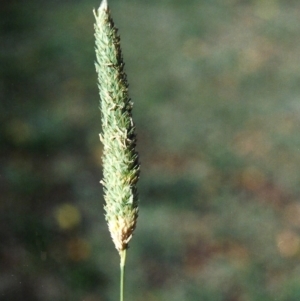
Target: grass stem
{"x": 122, "y": 273}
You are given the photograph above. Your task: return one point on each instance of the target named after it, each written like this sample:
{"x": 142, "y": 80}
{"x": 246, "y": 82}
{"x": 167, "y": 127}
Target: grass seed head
{"x": 120, "y": 159}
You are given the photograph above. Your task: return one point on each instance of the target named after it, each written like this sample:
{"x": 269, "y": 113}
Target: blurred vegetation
{"x": 216, "y": 90}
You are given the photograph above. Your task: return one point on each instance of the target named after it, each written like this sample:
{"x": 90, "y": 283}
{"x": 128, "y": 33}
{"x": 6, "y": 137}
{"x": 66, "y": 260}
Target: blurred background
{"x": 216, "y": 86}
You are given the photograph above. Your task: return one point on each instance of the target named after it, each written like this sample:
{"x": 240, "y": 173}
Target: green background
{"x": 216, "y": 86}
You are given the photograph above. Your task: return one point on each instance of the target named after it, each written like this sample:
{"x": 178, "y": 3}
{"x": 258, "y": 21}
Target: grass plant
{"x": 120, "y": 159}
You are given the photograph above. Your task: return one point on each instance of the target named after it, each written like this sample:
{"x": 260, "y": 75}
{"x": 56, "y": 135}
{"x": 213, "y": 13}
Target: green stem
{"x": 122, "y": 275}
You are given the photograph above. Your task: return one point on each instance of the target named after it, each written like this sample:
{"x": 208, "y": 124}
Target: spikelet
{"x": 120, "y": 159}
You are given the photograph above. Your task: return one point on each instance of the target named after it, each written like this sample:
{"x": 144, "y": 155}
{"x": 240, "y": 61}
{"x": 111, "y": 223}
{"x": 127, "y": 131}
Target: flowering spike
{"x": 120, "y": 159}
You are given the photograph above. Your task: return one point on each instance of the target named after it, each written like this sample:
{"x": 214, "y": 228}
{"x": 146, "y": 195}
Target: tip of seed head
{"x": 103, "y": 5}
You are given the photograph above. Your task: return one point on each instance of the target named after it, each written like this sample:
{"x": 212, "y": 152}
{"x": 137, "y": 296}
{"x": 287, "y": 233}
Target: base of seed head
{"x": 121, "y": 230}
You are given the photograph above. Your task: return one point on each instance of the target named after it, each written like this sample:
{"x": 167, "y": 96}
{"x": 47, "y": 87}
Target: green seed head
{"x": 120, "y": 159}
